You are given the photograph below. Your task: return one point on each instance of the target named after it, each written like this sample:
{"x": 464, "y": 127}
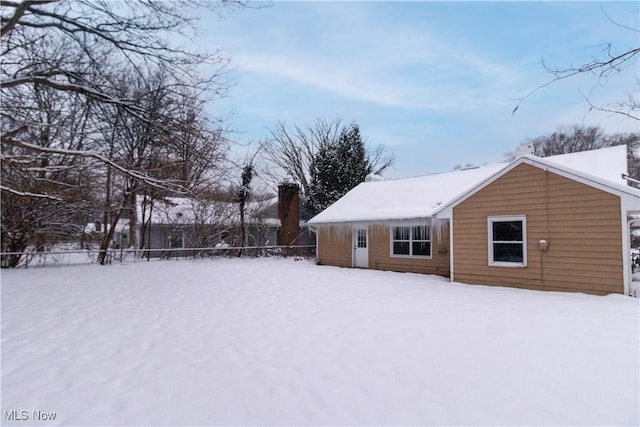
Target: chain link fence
{"x": 58, "y": 256}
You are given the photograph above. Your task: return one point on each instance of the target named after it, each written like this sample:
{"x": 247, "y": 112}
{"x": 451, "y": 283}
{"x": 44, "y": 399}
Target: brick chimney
{"x": 288, "y": 213}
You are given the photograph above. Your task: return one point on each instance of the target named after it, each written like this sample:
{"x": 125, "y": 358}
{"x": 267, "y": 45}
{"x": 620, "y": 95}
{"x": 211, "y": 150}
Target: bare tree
{"x": 291, "y": 151}
{"x": 69, "y": 51}
{"x": 133, "y": 32}
{"x": 197, "y": 145}
{"x": 213, "y": 221}
{"x": 174, "y": 145}
{"x": 49, "y": 193}
{"x": 584, "y": 138}
{"x": 569, "y": 140}
{"x": 86, "y": 37}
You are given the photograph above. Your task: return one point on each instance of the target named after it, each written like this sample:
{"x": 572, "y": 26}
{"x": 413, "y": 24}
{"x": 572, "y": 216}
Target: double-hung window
{"x": 507, "y": 241}
{"x": 411, "y": 241}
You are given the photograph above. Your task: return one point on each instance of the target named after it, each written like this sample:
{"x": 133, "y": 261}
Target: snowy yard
{"x": 275, "y": 341}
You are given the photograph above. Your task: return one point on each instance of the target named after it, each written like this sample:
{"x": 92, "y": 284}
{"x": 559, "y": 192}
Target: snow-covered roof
{"x": 420, "y": 197}
{"x": 605, "y": 163}
{"x": 398, "y": 199}
{"x": 182, "y": 210}
{"x": 92, "y": 227}
{"x": 589, "y": 174}
{"x": 604, "y": 167}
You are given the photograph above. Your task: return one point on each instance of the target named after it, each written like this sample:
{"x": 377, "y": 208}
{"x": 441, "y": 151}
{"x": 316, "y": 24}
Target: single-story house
{"x": 555, "y": 223}
{"x": 180, "y": 222}
{"x": 94, "y": 233}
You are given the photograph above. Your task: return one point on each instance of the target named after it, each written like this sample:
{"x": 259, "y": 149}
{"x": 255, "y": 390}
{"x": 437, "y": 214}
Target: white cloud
{"x": 341, "y": 81}
{"x": 375, "y": 83}
{"x": 355, "y": 51}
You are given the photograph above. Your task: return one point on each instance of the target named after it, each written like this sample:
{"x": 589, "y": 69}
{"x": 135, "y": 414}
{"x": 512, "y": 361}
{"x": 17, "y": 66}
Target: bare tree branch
{"x": 27, "y": 194}
{"x": 629, "y": 108}
{"x": 609, "y": 64}
{"x": 614, "y": 22}
{"x": 20, "y": 9}
{"x": 176, "y": 186}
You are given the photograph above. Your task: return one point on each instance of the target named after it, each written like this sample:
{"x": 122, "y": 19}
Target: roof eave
{"x": 356, "y": 222}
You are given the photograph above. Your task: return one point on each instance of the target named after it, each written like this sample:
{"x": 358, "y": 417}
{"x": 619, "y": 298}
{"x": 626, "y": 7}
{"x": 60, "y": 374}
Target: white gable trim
{"x": 628, "y": 195}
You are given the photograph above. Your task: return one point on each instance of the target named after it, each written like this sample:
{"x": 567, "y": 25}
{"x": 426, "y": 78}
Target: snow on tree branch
{"x": 27, "y": 194}
{"x": 158, "y": 183}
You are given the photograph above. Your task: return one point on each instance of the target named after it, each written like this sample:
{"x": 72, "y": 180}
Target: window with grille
{"x": 414, "y": 241}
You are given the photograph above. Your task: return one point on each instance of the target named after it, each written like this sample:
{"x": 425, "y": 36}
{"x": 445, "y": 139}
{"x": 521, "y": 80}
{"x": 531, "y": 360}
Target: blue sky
{"x": 435, "y": 83}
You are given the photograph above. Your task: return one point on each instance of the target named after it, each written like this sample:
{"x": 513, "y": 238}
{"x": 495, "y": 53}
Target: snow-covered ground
{"x": 275, "y": 341}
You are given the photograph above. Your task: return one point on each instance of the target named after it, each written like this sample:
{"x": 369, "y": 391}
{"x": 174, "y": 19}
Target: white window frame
{"x": 490, "y": 221}
{"x": 410, "y": 255}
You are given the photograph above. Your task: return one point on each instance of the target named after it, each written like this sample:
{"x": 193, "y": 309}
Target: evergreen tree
{"x": 336, "y": 168}
{"x": 244, "y": 194}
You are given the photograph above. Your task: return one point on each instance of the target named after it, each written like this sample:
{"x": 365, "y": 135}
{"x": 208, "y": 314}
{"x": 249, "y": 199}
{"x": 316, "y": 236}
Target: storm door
{"x": 360, "y": 248}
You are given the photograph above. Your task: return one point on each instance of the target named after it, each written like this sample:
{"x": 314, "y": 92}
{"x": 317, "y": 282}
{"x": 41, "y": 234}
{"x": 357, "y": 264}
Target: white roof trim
{"x": 626, "y": 193}
{"x": 362, "y": 222}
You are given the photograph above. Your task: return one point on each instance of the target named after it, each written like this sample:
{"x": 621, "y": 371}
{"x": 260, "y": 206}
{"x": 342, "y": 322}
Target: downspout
{"x": 628, "y": 178}
{"x": 451, "y": 279}
{"x": 315, "y": 230}
{"x": 626, "y": 248}
{"x": 626, "y": 241}
{"x": 626, "y": 254}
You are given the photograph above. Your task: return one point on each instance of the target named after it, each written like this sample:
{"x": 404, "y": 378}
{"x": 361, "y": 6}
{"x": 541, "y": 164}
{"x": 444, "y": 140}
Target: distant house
{"x": 178, "y": 222}
{"x": 556, "y": 223}
{"x": 94, "y": 233}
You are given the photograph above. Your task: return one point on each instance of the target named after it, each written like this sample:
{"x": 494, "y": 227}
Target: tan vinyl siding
{"x": 334, "y": 246}
{"x": 581, "y": 224}
{"x": 380, "y": 254}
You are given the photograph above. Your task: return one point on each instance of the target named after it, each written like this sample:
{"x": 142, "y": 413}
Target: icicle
{"x": 340, "y": 233}
{"x": 379, "y": 228}
{"x": 441, "y": 230}
{"x": 343, "y": 233}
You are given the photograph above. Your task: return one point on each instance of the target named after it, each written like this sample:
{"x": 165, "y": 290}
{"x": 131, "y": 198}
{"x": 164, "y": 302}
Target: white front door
{"x": 360, "y": 248}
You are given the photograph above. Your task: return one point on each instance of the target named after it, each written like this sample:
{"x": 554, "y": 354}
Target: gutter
{"x": 364, "y": 222}
{"x": 628, "y": 178}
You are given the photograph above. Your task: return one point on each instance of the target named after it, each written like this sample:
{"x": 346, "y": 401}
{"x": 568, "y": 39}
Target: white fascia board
{"x": 364, "y": 223}
{"x": 630, "y": 205}
{"x": 445, "y": 213}
{"x": 346, "y": 224}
